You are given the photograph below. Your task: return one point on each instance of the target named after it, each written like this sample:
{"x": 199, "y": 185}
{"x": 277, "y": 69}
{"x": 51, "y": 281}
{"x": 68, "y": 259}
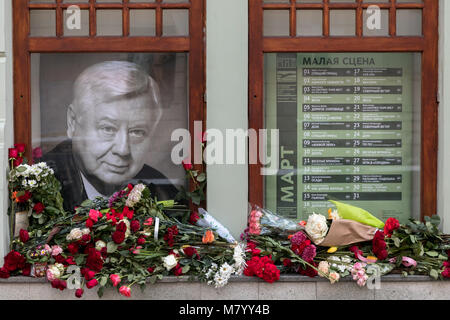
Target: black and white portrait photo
{"x": 104, "y": 120}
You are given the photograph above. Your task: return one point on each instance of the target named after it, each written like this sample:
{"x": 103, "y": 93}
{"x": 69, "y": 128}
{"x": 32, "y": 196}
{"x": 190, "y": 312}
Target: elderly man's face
{"x": 112, "y": 139}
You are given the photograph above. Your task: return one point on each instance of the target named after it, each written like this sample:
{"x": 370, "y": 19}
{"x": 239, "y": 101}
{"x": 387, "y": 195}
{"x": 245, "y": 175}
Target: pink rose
{"x": 56, "y": 250}
{"x": 115, "y": 279}
{"x": 125, "y": 291}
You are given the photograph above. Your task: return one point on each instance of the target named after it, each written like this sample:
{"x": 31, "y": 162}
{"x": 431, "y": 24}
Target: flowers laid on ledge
{"x": 132, "y": 239}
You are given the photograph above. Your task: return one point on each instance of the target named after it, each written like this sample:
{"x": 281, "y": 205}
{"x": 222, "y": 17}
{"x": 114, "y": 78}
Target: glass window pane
{"x": 410, "y": 1}
{"x": 276, "y": 1}
{"x": 42, "y": 23}
{"x": 81, "y": 99}
{"x": 309, "y": 1}
{"x": 108, "y": 1}
{"x": 72, "y": 27}
{"x": 309, "y": 22}
{"x": 176, "y": 22}
{"x": 376, "y": 1}
{"x": 341, "y": 1}
{"x": 142, "y": 22}
{"x": 409, "y": 22}
{"x": 276, "y": 23}
{"x": 349, "y": 130}
{"x": 370, "y": 27}
{"x": 342, "y": 22}
{"x": 109, "y": 22}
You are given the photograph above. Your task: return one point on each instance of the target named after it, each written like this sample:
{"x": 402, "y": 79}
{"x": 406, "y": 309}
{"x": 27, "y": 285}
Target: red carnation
{"x": 128, "y": 213}
{"x": 38, "y": 208}
{"x": 271, "y": 273}
{"x": 150, "y": 269}
{"x": 89, "y": 223}
{"x": 118, "y": 237}
{"x": 86, "y": 238}
{"x": 25, "y": 197}
{"x": 13, "y": 261}
{"x": 178, "y": 271}
{"x": 91, "y": 283}
{"x": 60, "y": 259}
{"x": 121, "y": 227}
{"x": 73, "y": 248}
{"x": 310, "y": 272}
{"x": 23, "y": 235}
{"x": 391, "y": 225}
{"x": 379, "y": 246}
{"x": 26, "y": 271}
{"x": 135, "y": 225}
{"x": 94, "y": 260}
{"x": 141, "y": 241}
{"x": 287, "y": 262}
{"x": 194, "y": 217}
{"x": 4, "y": 273}
{"x": 79, "y": 293}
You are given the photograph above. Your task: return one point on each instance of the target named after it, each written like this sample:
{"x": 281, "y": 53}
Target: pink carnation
{"x": 298, "y": 238}
{"x": 309, "y": 253}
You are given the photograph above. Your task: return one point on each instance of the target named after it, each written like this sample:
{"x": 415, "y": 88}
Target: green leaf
{"x": 186, "y": 269}
{"x": 412, "y": 238}
{"x": 201, "y": 177}
{"x": 100, "y": 292}
{"x": 432, "y": 253}
{"x": 434, "y": 274}
{"x": 103, "y": 281}
{"x": 396, "y": 241}
{"x": 111, "y": 247}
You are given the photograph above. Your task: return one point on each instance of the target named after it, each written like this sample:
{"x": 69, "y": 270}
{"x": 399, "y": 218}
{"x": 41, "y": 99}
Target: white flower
{"x": 75, "y": 234}
{"x": 170, "y": 262}
{"x": 316, "y": 227}
{"x": 226, "y": 270}
{"x": 220, "y": 280}
{"x": 334, "y": 215}
{"x": 24, "y": 183}
{"x": 239, "y": 259}
{"x": 135, "y": 195}
{"x": 85, "y": 231}
{"x": 32, "y": 183}
{"x": 99, "y": 245}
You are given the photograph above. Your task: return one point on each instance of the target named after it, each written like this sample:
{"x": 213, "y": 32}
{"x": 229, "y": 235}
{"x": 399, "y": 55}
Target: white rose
{"x": 316, "y": 227}
{"x": 75, "y": 234}
{"x": 170, "y": 262}
{"x": 85, "y": 231}
{"x": 99, "y": 245}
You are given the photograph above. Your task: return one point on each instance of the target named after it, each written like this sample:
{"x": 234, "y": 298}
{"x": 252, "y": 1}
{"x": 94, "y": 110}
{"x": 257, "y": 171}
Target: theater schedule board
{"x": 345, "y": 125}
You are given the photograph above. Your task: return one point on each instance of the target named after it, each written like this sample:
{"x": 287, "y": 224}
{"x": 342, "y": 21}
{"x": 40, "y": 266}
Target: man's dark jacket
{"x": 61, "y": 160}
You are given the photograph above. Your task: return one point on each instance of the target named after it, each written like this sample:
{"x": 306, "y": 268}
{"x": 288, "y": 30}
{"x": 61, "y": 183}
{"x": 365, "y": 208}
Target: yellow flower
{"x": 372, "y": 258}
{"x": 332, "y": 249}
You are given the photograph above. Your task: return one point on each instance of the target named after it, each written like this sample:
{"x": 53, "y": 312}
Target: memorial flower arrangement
{"x": 132, "y": 239}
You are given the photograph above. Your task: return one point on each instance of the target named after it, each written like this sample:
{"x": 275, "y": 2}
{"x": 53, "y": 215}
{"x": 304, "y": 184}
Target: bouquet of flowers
{"x": 35, "y": 193}
{"x": 128, "y": 239}
{"x": 264, "y": 222}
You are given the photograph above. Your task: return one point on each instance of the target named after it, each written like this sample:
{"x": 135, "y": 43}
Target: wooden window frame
{"x": 427, "y": 45}
{"x": 24, "y": 46}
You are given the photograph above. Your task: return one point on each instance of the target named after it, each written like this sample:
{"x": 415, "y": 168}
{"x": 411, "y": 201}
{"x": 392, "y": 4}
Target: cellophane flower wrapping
{"x": 266, "y": 223}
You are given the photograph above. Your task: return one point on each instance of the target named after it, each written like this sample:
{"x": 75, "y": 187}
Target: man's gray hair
{"x": 114, "y": 80}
